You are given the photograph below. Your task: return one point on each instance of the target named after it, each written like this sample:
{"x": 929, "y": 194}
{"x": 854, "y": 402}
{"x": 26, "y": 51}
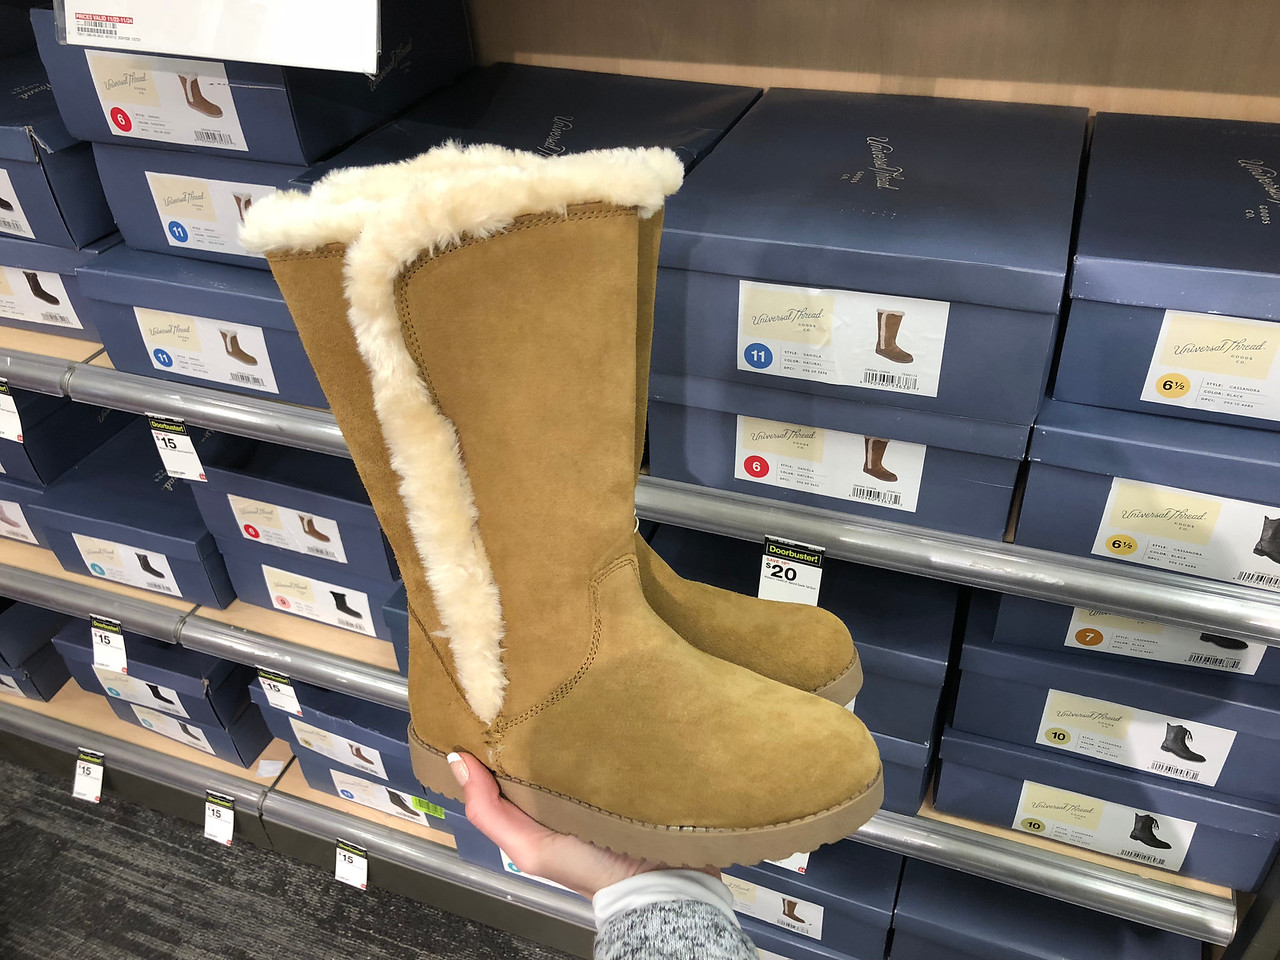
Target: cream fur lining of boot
{"x": 389, "y": 216}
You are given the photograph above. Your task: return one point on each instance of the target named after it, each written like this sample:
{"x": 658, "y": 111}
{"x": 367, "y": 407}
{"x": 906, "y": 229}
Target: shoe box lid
{"x": 30, "y": 125}
{"x": 24, "y": 629}
{"x": 28, "y": 255}
{"x": 38, "y": 677}
{"x": 219, "y": 291}
{"x": 551, "y": 111}
{"x": 1176, "y": 215}
{"x": 1215, "y": 458}
{"x": 966, "y": 916}
{"x": 156, "y": 661}
{"x": 775, "y": 943}
{"x": 955, "y": 200}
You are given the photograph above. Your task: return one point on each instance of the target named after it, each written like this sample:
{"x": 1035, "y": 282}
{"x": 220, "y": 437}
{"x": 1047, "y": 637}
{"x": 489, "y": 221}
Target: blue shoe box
{"x": 908, "y": 771}
{"x": 844, "y": 898}
{"x": 24, "y": 630}
{"x": 167, "y": 677}
{"x": 395, "y": 614}
{"x": 39, "y": 289}
{"x": 947, "y": 915}
{"x": 173, "y": 318}
{"x": 942, "y": 472}
{"x": 303, "y": 505}
{"x": 821, "y": 216}
{"x": 241, "y": 742}
{"x": 57, "y": 433}
{"x": 263, "y": 112}
{"x": 421, "y": 806}
{"x": 49, "y": 190}
{"x": 119, "y": 516}
{"x": 477, "y": 849}
{"x": 775, "y": 944}
{"x": 15, "y": 512}
{"x": 1222, "y": 840}
{"x": 38, "y": 677}
{"x": 1176, "y": 288}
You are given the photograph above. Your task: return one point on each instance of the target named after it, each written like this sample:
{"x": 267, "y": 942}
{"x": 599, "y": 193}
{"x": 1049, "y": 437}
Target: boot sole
{"x": 844, "y": 687}
{"x": 659, "y": 843}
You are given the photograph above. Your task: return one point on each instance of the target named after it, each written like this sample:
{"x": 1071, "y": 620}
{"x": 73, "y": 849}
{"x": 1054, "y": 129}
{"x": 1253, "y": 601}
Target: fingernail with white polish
{"x": 459, "y": 768}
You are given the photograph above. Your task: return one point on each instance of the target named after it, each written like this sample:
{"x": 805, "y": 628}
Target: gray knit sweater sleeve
{"x": 673, "y": 930}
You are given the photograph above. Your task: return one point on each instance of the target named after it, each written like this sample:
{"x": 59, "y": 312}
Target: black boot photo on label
{"x": 231, "y": 345}
{"x": 39, "y": 292}
{"x": 888, "y": 323}
{"x": 309, "y": 528}
{"x": 873, "y": 459}
{"x": 155, "y": 692}
{"x": 187, "y": 731}
{"x": 144, "y": 562}
{"x": 789, "y": 911}
{"x": 398, "y": 802}
{"x": 5, "y": 204}
{"x": 340, "y": 601}
{"x": 355, "y": 752}
{"x": 1269, "y": 543}
{"x": 196, "y": 100}
{"x": 1226, "y": 643}
{"x": 1176, "y": 740}
{"x": 1144, "y": 831}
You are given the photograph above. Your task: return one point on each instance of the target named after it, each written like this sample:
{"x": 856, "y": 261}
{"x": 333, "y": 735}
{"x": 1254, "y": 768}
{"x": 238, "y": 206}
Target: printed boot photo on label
{"x": 355, "y": 752}
{"x": 197, "y": 100}
{"x": 1226, "y": 643}
{"x": 398, "y": 801}
{"x": 187, "y": 730}
{"x": 789, "y": 911}
{"x": 243, "y": 202}
{"x": 340, "y": 601}
{"x": 888, "y": 323}
{"x": 873, "y": 459}
{"x": 231, "y": 344}
{"x": 1176, "y": 740}
{"x": 155, "y": 692}
{"x": 33, "y": 281}
{"x": 1144, "y": 831}
{"x": 7, "y": 520}
{"x": 5, "y": 204}
{"x": 309, "y": 528}
{"x": 1269, "y": 543}
{"x": 144, "y": 562}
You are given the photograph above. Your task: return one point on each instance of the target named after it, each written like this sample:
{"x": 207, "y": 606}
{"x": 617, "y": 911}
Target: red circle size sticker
{"x": 251, "y": 531}
{"x": 756, "y": 467}
{"x": 121, "y": 119}
{"x": 282, "y": 602}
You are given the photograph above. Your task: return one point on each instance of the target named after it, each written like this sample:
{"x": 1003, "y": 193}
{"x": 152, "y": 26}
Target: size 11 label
{"x": 753, "y": 900}
{"x": 108, "y": 645}
{"x": 279, "y": 691}
{"x": 219, "y": 817}
{"x": 330, "y": 745}
{"x": 10, "y": 686}
{"x": 790, "y": 572}
{"x": 295, "y": 530}
{"x": 200, "y": 214}
{"x": 317, "y": 600}
{"x": 88, "y": 781}
{"x": 1108, "y": 633}
{"x": 12, "y": 218}
{"x": 177, "y": 452}
{"x": 381, "y": 797}
{"x": 1190, "y": 532}
{"x": 352, "y": 865}
{"x": 172, "y": 727}
{"x": 846, "y": 466}
{"x": 131, "y": 689}
{"x": 1111, "y": 828}
{"x": 842, "y": 337}
{"x": 13, "y": 522}
{"x": 36, "y": 296}
{"x": 122, "y": 563}
{"x": 218, "y": 351}
{"x": 1151, "y": 742}
{"x": 10, "y": 422}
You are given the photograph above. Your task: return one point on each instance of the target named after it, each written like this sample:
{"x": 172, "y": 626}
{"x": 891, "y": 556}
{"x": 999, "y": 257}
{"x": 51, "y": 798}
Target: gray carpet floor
{"x": 118, "y": 881}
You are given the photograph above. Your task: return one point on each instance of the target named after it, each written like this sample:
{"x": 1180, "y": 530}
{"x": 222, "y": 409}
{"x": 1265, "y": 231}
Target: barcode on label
{"x": 1261, "y": 579}
{"x": 13, "y": 226}
{"x": 100, "y": 30}
{"x": 350, "y": 624}
{"x": 1182, "y": 772}
{"x": 61, "y": 319}
{"x": 214, "y": 136}
{"x": 897, "y": 381}
{"x": 887, "y": 497}
{"x": 1144, "y": 857}
{"x": 1201, "y": 659}
{"x": 322, "y": 552}
{"x": 247, "y": 378}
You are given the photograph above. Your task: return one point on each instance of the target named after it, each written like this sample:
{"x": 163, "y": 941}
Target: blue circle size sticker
{"x": 758, "y": 355}
{"x": 178, "y": 231}
{"x": 348, "y": 794}
{"x": 146, "y": 722}
{"x": 113, "y": 691}
{"x": 97, "y": 569}
{"x": 162, "y": 357}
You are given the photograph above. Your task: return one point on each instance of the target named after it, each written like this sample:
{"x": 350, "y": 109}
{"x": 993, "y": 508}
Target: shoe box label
{"x": 122, "y": 563}
{"x": 1223, "y": 364}
{"x": 1137, "y": 835}
{"x": 167, "y": 99}
{"x": 509, "y": 866}
{"x": 1190, "y": 532}
{"x": 172, "y": 727}
{"x": 845, "y": 466}
{"x": 797, "y": 862}
{"x": 218, "y": 351}
{"x": 380, "y": 797}
{"x": 1150, "y": 742}
{"x": 842, "y": 337}
{"x": 13, "y": 522}
{"x": 12, "y": 219}
{"x": 314, "y": 599}
{"x": 9, "y": 685}
{"x": 36, "y": 296}
{"x": 752, "y": 900}
{"x": 338, "y": 748}
{"x": 131, "y": 689}
{"x": 277, "y": 526}
{"x": 1121, "y": 636}
{"x": 201, "y": 214}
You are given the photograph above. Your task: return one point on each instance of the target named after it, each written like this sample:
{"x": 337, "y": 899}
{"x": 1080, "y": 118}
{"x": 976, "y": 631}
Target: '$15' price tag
{"x": 219, "y": 817}
{"x": 177, "y": 452}
{"x": 88, "y": 782}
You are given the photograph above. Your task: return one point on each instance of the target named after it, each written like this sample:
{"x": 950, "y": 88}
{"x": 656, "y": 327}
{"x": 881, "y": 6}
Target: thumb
{"x": 497, "y": 818}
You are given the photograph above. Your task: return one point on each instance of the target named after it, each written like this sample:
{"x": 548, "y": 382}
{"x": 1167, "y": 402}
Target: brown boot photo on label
{"x": 309, "y": 528}
{"x": 196, "y": 100}
{"x": 873, "y": 459}
{"x": 231, "y": 345}
{"x": 789, "y": 911}
{"x": 243, "y": 202}
{"x": 888, "y": 323}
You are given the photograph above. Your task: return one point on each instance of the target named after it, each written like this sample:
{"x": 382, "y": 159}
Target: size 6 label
{"x": 122, "y": 563}
{"x": 338, "y": 748}
{"x": 219, "y": 817}
{"x": 13, "y": 522}
{"x": 1108, "y": 633}
{"x": 12, "y": 218}
{"x": 380, "y": 797}
{"x": 88, "y": 781}
{"x": 1190, "y": 532}
{"x": 1151, "y": 742}
{"x": 9, "y": 685}
{"x": 131, "y": 689}
{"x": 279, "y": 692}
{"x": 1223, "y": 364}
{"x": 177, "y": 452}
{"x": 846, "y": 466}
{"x": 108, "y": 645}
{"x": 753, "y": 900}
{"x": 317, "y": 600}
{"x": 790, "y": 572}
{"x": 842, "y": 337}
{"x": 36, "y": 296}
{"x": 301, "y": 532}
{"x": 172, "y": 727}
{"x": 217, "y": 351}
{"x": 201, "y": 214}
{"x": 352, "y": 865}
{"x": 1112, "y": 828}
{"x": 169, "y": 100}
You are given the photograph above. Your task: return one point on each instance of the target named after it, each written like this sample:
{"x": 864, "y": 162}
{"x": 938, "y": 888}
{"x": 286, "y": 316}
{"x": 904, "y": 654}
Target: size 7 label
{"x": 177, "y": 452}
{"x": 200, "y": 214}
{"x": 846, "y": 466}
{"x": 353, "y": 754}
{"x": 317, "y": 600}
{"x": 279, "y": 692}
{"x": 131, "y": 689}
{"x": 36, "y": 296}
{"x": 9, "y": 685}
{"x": 219, "y": 817}
{"x": 12, "y": 218}
{"x": 172, "y": 727}
{"x": 842, "y": 337}
{"x": 296, "y": 530}
{"x": 790, "y": 572}
{"x": 1108, "y": 633}
{"x": 352, "y": 865}
{"x": 217, "y": 351}
{"x": 1111, "y": 828}
{"x": 381, "y": 797}
{"x": 88, "y": 781}
{"x": 168, "y": 100}
{"x": 1151, "y": 742}
{"x": 1190, "y": 532}
{"x": 122, "y": 563}
{"x": 753, "y": 900}
{"x": 108, "y": 645}
{"x": 13, "y": 522}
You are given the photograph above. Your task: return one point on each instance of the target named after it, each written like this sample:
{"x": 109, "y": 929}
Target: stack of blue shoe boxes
{"x": 858, "y": 302}
{"x": 30, "y": 666}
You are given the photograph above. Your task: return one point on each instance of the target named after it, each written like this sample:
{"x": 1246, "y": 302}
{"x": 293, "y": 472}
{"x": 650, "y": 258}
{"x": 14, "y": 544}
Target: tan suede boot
{"x": 487, "y": 391}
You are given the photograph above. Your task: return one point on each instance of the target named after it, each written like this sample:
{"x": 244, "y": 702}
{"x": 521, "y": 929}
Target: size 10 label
{"x": 349, "y": 752}
{"x": 381, "y": 797}
{"x": 12, "y": 218}
{"x": 1108, "y": 633}
{"x": 352, "y": 865}
{"x": 279, "y": 691}
{"x": 10, "y": 422}
{"x": 36, "y": 296}
{"x": 132, "y": 690}
{"x": 790, "y": 572}
{"x": 13, "y": 522}
{"x": 217, "y": 351}
{"x": 88, "y": 780}
{"x": 172, "y": 727}
{"x": 219, "y": 817}
{"x": 296, "y": 530}
{"x": 753, "y": 900}
{"x": 122, "y": 563}
{"x": 108, "y": 645}
{"x": 177, "y": 452}
{"x": 317, "y": 600}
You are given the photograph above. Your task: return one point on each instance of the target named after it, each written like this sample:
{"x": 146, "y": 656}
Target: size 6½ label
{"x": 177, "y": 452}
{"x": 122, "y": 563}
{"x": 380, "y": 797}
{"x": 169, "y": 100}
{"x": 1223, "y": 364}
{"x": 790, "y": 572}
{"x": 88, "y": 781}
{"x": 218, "y": 351}
{"x": 357, "y": 755}
{"x": 1110, "y": 828}
{"x": 121, "y": 686}
{"x": 1190, "y": 532}
{"x": 13, "y": 522}
{"x": 279, "y": 692}
{"x": 352, "y": 865}
{"x": 108, "y": 645}
{"x": 12, "y": 218}
{"x": 172, "y": 727}
{"x": 1151, "y": 742}
{"x": 307, "y": 533}
{"x": 317, "y": 600}
{"x": 36, "y": 296}
{"x": 842, "y": 337}
{"x": 845, "y": 466}
{"x": 1108, "y": 633}
{"x": 219, "y": 817}
{"x": 753, "y": 900}
{"x": 10, "y": 422}
{"x": 201, "y": 214}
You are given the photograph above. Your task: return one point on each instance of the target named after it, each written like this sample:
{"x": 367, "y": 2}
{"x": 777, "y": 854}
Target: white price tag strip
{"x": 108, "y": 644}
{"x": 88, "y": 782}
{"x": 10, "y": 422}
{"x": 352, "y": 865}
{"x": 790, "y": 572}
{"x": 279, "y": 691}
{"x": 177, "y": 452}
{"x": 219, "y": 817}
